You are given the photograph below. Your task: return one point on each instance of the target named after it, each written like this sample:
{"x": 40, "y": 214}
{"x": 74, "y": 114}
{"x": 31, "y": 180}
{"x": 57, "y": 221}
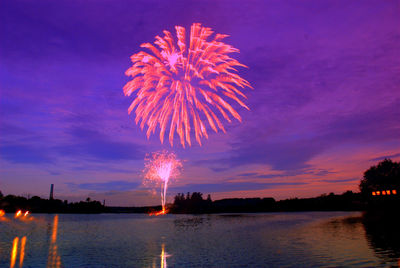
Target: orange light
{"x": 54, "y": 261}
{"x": 394, "y": 192}
{"x": 55, "y": 226}
{"x": 22, "y": 251}
{"x": 378, "y": 193}
{"x": 383, "y": 192}
{"x": 373, "y": 193}
{"x": 26, "y": 213}
{"x": 2, "y": 213}
{"x": 164, "y": 256}
{"x": 14, "y": 252}
{"x": 161, "y": 212}
{"x": 388, "y": 192}
{"x": 19, "y": 212}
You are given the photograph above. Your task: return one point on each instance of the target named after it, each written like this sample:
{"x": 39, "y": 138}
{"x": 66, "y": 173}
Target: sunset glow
{"x": 315, "y": 121}
{"x": 199, "y": 133}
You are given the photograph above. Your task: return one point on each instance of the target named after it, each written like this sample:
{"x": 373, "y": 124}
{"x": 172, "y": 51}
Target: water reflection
{"x": 23, "y": 216}
{"x": 194, "y": 222}
{"x": 382, "y": 231}
{"x": 164, "y": 256}
{"x": 54, "y": 260}
{"x": 14, "y": 252}
{"x": 19, "y": 215}
{"x": 278, "y": 239}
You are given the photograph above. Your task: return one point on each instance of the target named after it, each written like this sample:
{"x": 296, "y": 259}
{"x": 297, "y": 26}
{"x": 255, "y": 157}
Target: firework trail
{"x": 180, "y": 86}
{"x": 159, "y": 168}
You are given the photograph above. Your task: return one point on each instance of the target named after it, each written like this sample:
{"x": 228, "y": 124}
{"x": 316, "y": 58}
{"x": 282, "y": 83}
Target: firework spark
{"x": 159, "y": 168}
{"x": 181, "y": 86}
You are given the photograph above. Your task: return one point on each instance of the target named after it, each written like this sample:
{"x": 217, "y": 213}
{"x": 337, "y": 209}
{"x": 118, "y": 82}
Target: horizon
{"x": 204, "y": 195}
{"x": 324, "y": 107}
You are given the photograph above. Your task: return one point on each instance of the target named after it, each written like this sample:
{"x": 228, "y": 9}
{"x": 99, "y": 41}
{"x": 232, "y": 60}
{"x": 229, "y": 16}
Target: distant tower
{"x": 51, "y": 191}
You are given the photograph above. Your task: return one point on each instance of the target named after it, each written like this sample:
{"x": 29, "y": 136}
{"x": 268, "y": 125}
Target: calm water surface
{"x": 306, "y": 239}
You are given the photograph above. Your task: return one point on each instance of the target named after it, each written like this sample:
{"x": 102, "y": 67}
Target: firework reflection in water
{"x": 160, "y": 167}
{"x": 164, "y": 255}
{"x": 14, "y": 252}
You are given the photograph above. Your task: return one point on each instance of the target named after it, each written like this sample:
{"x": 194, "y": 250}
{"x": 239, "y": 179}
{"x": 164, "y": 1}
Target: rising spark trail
{"x": 181, "y": 86}
{"x": 160, "y": 167}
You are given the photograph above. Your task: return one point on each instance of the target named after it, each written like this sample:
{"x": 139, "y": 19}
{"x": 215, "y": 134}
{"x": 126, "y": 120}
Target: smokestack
{"x": 51, "y": 191}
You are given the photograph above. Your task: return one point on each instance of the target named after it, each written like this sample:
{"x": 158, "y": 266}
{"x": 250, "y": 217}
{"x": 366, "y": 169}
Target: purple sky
{"x": 325, "y": 104}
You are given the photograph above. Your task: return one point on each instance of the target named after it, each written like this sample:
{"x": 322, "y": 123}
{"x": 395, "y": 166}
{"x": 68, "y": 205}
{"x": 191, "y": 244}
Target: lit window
{"x": 394, "y": 192}
{"x": 388, "y": 192}
{"x": 383, "y": 192}
{"x": 373, "y": 193}
{"x": 378, "y": 193}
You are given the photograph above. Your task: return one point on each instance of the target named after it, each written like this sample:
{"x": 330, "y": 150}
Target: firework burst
{"x": 180, "y": 87}
{"x": 159, "y": 168}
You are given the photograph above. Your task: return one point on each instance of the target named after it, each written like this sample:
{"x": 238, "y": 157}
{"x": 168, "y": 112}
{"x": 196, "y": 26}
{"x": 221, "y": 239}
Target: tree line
{"x": 36, "y": 204}
{"x": 379, "y": 188}
{"x": 383, "y": 177}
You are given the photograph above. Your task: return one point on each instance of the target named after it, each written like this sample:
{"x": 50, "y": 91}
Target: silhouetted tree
{"x": 386, "y": 175}
{"x": 193, "y": 203}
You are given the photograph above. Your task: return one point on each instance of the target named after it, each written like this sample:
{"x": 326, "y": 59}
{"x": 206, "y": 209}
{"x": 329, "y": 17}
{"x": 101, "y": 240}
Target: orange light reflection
{"x": 14, "y": 252}
{"x": 54, "y": 260}
{"x": 22, "y": 251}
{"x": 164, "y": 255}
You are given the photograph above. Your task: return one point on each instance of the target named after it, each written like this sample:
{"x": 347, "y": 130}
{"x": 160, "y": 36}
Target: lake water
{"x": 305, "y": 239}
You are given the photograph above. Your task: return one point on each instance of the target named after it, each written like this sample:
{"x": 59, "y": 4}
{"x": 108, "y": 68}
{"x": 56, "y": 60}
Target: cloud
{"x": 340, "y": 180}
{"x": 248, "y": 174}
{"x": 292, "y": 152}
{"x": 11, "y": 130}
{"x": 385, "y": 156}
{"x": 315, "y": 94}
{"x": 117, "y": 198}
{"x": 286, "y": 156}
{"x": 92, "y": 143}
{"x": 27, "y": 154}
{"x": 231, "y": 186}
{"x": 104, "y": 186}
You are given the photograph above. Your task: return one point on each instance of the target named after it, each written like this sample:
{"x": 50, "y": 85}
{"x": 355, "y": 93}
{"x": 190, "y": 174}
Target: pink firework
{"x": 159, "y": 168}
{"x": 180, "y": 87}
